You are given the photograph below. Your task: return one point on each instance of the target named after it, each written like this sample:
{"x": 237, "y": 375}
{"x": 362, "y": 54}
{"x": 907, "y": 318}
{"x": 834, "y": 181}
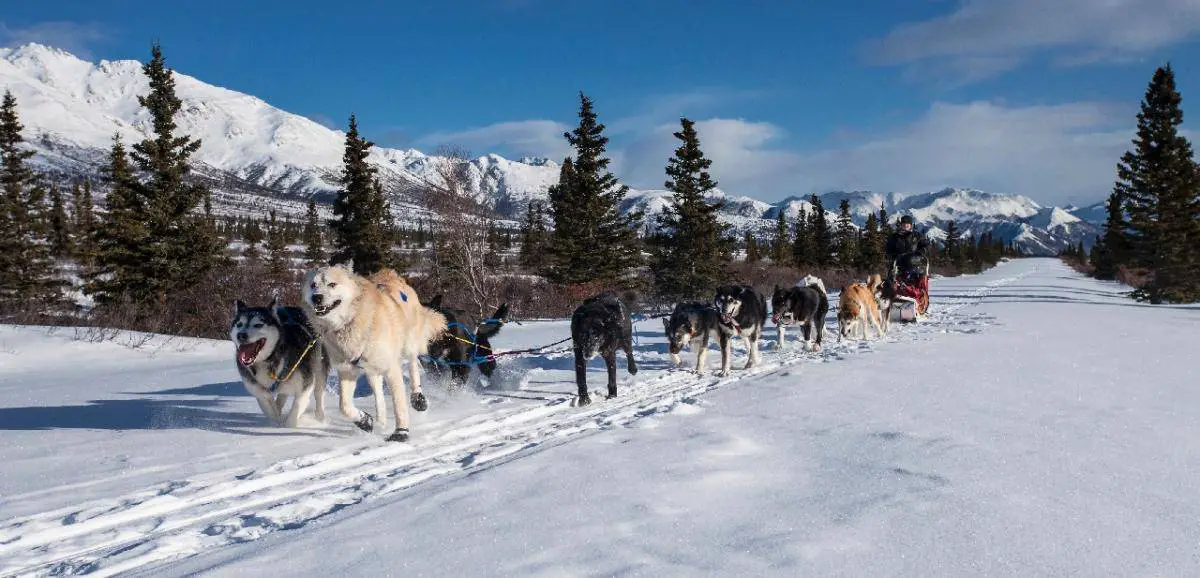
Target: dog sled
{"x": 907, "y": 293}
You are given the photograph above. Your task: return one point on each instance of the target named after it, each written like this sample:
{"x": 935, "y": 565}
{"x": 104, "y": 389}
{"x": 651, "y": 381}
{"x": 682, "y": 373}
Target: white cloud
{"x": 515, "y": 139}
{"x": 74, "y": 37}
{"x": 982, "y": 38}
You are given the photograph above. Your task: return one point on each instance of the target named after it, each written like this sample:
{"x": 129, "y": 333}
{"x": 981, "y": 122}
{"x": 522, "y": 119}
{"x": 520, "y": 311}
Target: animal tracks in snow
{"x": 180, "y": 518}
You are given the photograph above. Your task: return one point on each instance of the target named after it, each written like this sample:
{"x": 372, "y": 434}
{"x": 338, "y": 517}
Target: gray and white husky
{"x": 271, "y": 342}
{"x": 696, "y": 323}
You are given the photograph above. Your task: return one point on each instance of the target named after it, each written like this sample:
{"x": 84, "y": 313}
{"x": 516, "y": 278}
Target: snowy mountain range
{"x": 257, "y": 156}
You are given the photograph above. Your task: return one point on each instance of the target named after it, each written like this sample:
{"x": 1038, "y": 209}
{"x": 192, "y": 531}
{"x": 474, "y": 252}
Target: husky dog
{"x": 857, "y": 307}
{"x": 695, "y": 323}
{"x": 743, "y": 313}
{"x": 807, "y": 304}
{"x": 278, "y": 356}
{"x": 369, "y": 326}
{"x": 453, "y": 350}
{"x": 601, "y": 325}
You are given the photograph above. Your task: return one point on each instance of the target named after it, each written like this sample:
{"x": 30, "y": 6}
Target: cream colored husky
{"x": 369, "y": 326}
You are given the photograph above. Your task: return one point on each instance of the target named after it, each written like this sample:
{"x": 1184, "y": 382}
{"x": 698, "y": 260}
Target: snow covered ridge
{"x": 251, "y": 151}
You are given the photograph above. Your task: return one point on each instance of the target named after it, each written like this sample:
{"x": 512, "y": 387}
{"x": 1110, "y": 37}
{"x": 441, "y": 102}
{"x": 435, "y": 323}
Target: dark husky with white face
{"x": 695, "y": 323}
{"x": 601, "y": 325}
{"x": 269, "y": 342}
{"x": 743, "y": 312}
{"x": 806, "y": 304}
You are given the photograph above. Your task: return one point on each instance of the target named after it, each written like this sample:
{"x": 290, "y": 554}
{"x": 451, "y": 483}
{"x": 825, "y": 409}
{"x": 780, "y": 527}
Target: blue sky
{"x": 1019, "y": 96}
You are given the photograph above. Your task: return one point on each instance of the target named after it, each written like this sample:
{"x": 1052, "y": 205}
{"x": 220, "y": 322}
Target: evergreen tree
{"x": 314, "y": 247}
{"x": 83, "y": 223}
{"x": 821, "y": 235}
{"x": 753, "y": 252}
{"x": 60, "y": 225}
{"x": 253, "y": 236}
{"x": 593, "y": 240}
{"x": 885, "y": 226}
{"x": 870, "y": 247}
{"x": 1159, "y": 182}
{"x": 279, "y": 263}
{"x": 693, "y": 255}
{"x": 181, "y": 248}
{"x": 533, "y": 238}
{"x": 360, "y": 214}
{"x": 781, "y": 244}
{"x": 952, "y": 245}
{"x": 121, "y": 236}
{"x": 802, "y": 244}
{"x": 846, "y": 236}
{"x": 27, "y": 274}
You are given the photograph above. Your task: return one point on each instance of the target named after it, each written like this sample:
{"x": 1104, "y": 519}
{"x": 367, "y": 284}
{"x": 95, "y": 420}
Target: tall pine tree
{"x": 1160, "y": 184}
{"x": 846, "y": 236}
{"x": 753, "y": 251}
{"x": 360, "y": 214}
{"x": 534, "y": 236}
{"x": 693, "y": 255}
{"x": 83, "y": 223}
{"x": 28, "y": 280}
{"x": 1112, "y": 249}
{"x": 952, "y": 245}
{"x": 60, "y": 225}
{"x": 593, "y": 240}
{"x": 802, "y": 244}
{"x": 870, "y": 247}
{"x": 314, "y": 240}
{"x": 781, "y": 244}
{"x": 121, "y": 236}
{"x": 181, "y": 247}
{"x": 279, "y": 262}
{"x": 821, "y": 234}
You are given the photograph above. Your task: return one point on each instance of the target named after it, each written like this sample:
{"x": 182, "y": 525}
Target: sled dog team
{"x": 360, "y": 325}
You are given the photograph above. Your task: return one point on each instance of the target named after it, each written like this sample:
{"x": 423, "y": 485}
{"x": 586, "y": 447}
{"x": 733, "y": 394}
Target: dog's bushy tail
{"x": 819, "y": 284}
{"x": 492, "y": 326}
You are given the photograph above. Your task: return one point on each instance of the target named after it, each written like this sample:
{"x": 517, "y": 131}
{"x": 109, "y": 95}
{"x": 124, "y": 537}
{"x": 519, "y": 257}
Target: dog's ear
{"x": 238, "y": 306}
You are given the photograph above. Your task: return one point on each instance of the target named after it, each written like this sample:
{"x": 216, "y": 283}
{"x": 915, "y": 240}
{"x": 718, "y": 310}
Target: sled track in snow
{"x": 182, "y": 518}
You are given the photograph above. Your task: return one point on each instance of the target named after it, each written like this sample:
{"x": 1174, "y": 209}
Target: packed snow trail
{"x": 183, "y": 517}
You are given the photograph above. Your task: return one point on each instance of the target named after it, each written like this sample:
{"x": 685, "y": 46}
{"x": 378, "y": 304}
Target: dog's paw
{"x": 366, "y": 422}
{"x": 419, "y": 402}
{"x": 400, "y": 435}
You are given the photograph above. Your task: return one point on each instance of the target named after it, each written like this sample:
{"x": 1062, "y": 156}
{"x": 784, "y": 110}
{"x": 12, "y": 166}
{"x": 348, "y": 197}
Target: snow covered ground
{"x": 1037, "y": 424}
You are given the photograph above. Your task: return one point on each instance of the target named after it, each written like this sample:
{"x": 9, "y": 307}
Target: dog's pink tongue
{"x": 248, "y": 352}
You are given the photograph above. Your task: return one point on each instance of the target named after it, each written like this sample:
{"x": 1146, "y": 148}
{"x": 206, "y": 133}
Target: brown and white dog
{"x": 370, "y": 326}
{"x": 857, "y": 306}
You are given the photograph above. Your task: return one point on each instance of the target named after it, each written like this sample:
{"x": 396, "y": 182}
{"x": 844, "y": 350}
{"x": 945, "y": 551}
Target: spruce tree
{"x": 253, "y": 236}
{"x": 279, "y": 263}
{"x": 28, "y": 279}
{"x": 821, "y": 234}
{"x": 121, "y": 236}
{"x": 593, "y": 240}
{"x": 314, "y": 247}
{"x": 693, "y": 255}
{"x": 952, "y": 245}
{"x": 846, "y": 236}
{"x": 870, "y": 247}
{"x": 361, "y": 218}
{"x": 60, "y": 225}
{"x": 83, "y": 223}
{"x": 1159, "y": 182}
{"x": 781, "y": 244}
{"x": 533, "y": 238}
{"x": 181, "y": 246}
{"x": 753, "y": 252}
{"x": 801, "y": 240}
{"x": 885, "y": 226}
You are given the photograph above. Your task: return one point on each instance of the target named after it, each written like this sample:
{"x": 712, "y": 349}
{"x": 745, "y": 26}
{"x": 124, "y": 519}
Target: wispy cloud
{"x": 984, "y": 38}
{"x": 74, "y": 37}
{"x": 516, "y": 138}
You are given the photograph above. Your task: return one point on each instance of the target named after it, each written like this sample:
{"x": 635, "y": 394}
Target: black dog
{"x": 806, "y": 304}
{"x": 455, "y": 350}
{"x": 695, "y": 323}
{"x": 743, "y": 313}
{"x": 601, "y": 325}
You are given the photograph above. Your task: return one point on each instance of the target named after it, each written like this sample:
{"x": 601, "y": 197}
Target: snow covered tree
{"x": 180, "y": 248}
{"x": 27, "y": 275}
{"x": 592, "y": 240}
{"x": 693, "y": 254}
{"x": 360, "y": 212}
{"x": 1160, "y": 185}
{"x": 821, "y": 235}
{"x": 846, "y": 236}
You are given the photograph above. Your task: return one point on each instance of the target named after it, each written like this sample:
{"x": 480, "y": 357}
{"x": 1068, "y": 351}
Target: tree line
{"x": 1151, "y": 236}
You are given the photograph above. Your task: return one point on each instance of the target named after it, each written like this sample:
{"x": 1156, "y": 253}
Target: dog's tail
{"x": 819, "y": 284}
{"x": 874, "y": 282}
{"x": 490, "y": 327}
